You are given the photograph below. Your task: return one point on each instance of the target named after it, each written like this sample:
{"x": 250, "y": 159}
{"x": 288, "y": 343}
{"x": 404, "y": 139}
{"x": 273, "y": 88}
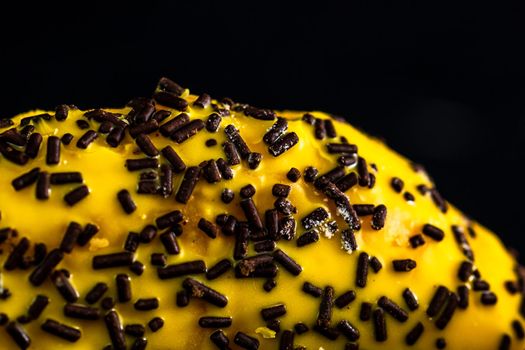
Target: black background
{"x": 444, "y": 85}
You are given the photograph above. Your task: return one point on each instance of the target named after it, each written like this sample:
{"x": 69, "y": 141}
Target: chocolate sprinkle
{"x": 410, "y": 299}
{"x": 37, "y": 306}
{"x": 438, "y": 301}
{"x": 182, "y": 269}
{"x": 85, "y": 236}
{"x": 96, "y": 293}
{"x": 114, "y": 327}
{"x": 43, "y": 186}
{"x": 345, "y": 148}
{"x": 123, "y": 287}
{"x": 254, "y": 159}
{"x": 517, "y": 326}
{"x": 171, "y": 100}
{"x": 168, "y": 128}
{"x": 404, "y": 265}
{"x": 283, "y": 144}
{"x": 225, "y": 170}
{"x": 273, "y": 312}
{"x": 433, "y": 232}
{"x": 362, "y": 270}
{"x": 18, "y": 334}
{"x": 416, "y": 240}
{"x": 213, "y": 122}
{"x": 463, "y": 297}
{"x": 505, "y": 342}
{"x": 314, "y": 291}
{"x": 135, "y": 330}
{"x": 345, "y": 299}
{"x": 66, "y": 178}
{"x": 233, "y": 135}
{"x": 26, "y": 179}
{"x": 85, "y": 140}
{"x": 169, "y": 219}
{"x": 365, "y": 312}
{"x": 215, "y": 322}
{"x": 191, "y": 176}
{"x": 201, "y": 291}
{"x": 362, "y": 171}
{"x": 293, "y": 174}
{"x": 380, "y": 332}
{"x": 42, "y": 271}
{"x": 171, "y": 156}
{"x": 218, "y": 269}
{"x": 220, "y": 339}
{"x": 208, "y": 227}
{"x": 347, "y": 182}
{"x": 324, "y": 316}
{"x": 315, "y": 218}
{"x": 141, "y": 163}
{"x": 393, "y": 309}
{"x": 245, "y": 341}
{"x": 76, "y": 195}
{"x": 251, "y": 213}
{"x": 231, "y": 153}
{"x": 488, "y": 298}
{"x": 307, "y": 238}
{"x": 125, "y": 200}
{"x": 287, "y": 262}
{"x": 33, "y": 145}
{"x": 146, "y": 304}
{"x": 397, "y": 184}
{"x": 146, "y": 145}
{"x": 115, "y": 136}
{"x": 112, "y": 260}
{"x": 247, "y": 191}
{"x": 17, "y": 254}
{"x": 275, "y": 131}
{"x": 378, "y": 217}
{"x": 415, "y": 333}
{"x": 169, "y": 241}
{"x": 64, "y": 286}
{"x": 348, "y": 330}
{"x": 81, "y": 312}
{"x": 61, "y": 330}
{"x": 448, "y": 311}
{"x": 465, "y": 271}
{"x": 348, "y": 241}
{"x": 188, "y": 130}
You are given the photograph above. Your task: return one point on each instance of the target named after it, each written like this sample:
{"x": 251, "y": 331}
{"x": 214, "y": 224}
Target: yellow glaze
{"x": 324, "y": 263}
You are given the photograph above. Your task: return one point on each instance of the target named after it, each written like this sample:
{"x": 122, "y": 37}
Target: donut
{"x": 181, "y": 221}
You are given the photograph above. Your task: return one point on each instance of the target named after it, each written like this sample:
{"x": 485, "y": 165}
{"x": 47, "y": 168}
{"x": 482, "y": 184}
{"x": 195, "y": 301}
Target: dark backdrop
{"x": 443, "y": 85}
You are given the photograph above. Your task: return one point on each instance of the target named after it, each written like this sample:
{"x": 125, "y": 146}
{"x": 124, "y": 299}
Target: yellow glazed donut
{"x": 185, "y": 222}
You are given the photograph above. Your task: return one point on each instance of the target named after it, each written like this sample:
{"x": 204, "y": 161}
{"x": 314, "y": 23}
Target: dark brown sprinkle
{"x": 287, "y": 262}
{"x": 211, "y": 171}
{"x": 284, "y": 206}
{"x": 344, "y": 299}
{"x": 123, "y": 287}
{"x": 488, "y": 298}
{"x": 247, "y": 191}
{"x": 215, "y": 322}
{"x": 308, "y": 118}
{"x": 182, "y": 269}
{"x": 6, "y": 233}
{"x": 66, "y": 178}
{"x": 306, "y": 238}
{"x": 208, "y": 227}
{"x": 139, "y": 344}
{"x": 415, "y": 333}
{"x": 242, "y": 235}
{"x": 210, "y": 142}
{"x": 433, "y": 232}
{"x": 76, "y": 195}
{"x": 132, "y": 242}
{"x": 53, "y": 150}
{"x": 315, "y": 218}
{"x": 126, "y": 202}
{"x": 441, "y": 343}
{"x": 462, "y": 242}
{"x": 327, "y": 332}
{"x": 158, "y": 259}
{"x": 310, "y": 173}
{"x": 33, "y": 145}
{"x": 293, "y": 174}
{"x": 269, "y": 284}
{"x": 169, "y": 219}
{"x": 272, "y": 224}
{"x": 380, "y": 332}
{"x": 346, "y": 182}
{"x": 465, "y": 271}
{"x": 364, "y": 209}
{"x": 188, "y": 130}
{"x": 17, "y": 254}
{"x": 409, "y": 197}
{"x": 146, "y": 145}
{"x": 231, "y": 153}
{"x": 372, "y": 182}
{"x": 171, "y": 156}
{"x": 224, "y": 168}
{"x": 362, "y": 270}
{"x": 416, "y": 240}
{"x": 61, "y": 330}
{"x": 160, "y": 115}
{"x": 220, "y": 339}
{"x": 463, "y": 297}
{"x": 438, "y": 200}
{"x": 254, "y": 159}
{"x": 397, "y": 184}
{"x": 517, "y": 326}
{"x": 348, "y": 241}
{"x": 404, "y": 265}
{"x": 191, "y": 176}
{"x": 13, "y": 155}
{"x": 283, "y": 144}
{"x": 314, "y": 291}
{"x": 245, "y": 341}
{"x": 43, "y": 186}
{"x": 169, "y": 241}
{"x": 319, "y": 129}
{"x": 5, "y": 123}
{"x": 146, "y": 304}
{"x": 378, "y": 217}
{"x": 82, "y": 124}
{"x": 300, "y": 328}
{"x": 259, "y": 113}
{"x": 273, "y": 312}
{"x": 40, "y": 252}
{"x": 218, "y": 269}
{"x": 5, "y": 294}
{"x": 42, "y": 271}
{"x": 26, "y": 179}
{"x": 324, "y": 316}
{"x": 393, "y": 309}
{"x": 12, "y": 136}
{"x": 112, "y": 260}
{"x": 505, "y": 342}
{"x": 480, "y": 285}
{"x": 471, "y": 231}
{"x": 82, "y": 312}
{"x": 168, "y": 128}
{"x": 18, "y": 334}
{"x": 85, "y": 236}
{"x": 348, "y": 330}
{"x": 362, "y": 171}
{"x": 343, "y": 206}
{"x": 201, "y": 291}
{"x": 438, "y": 301}
{"x": 251, "y": 213}
{"x": 229, "y": 227}
{"x": 247, "y": 266}
{"x": 287, "y": 228}
{"x": 410, "y": 299}
{"x": 448, "y": 312}
{"x": 233, "y": 135}
{"x": 114, "y": 327}
{"x": 287, "y": 340}
{"x": 105, "y": 127}
{"x": 182, "y": 298}
{"x": 96, "y": 293}
{"x": 64, "y": 286}
{"x": 332, "y": 176}
{"x": 37, "y": 306}
{"x": 166, "y": 84}
{"x": 213, "y": 122}
{"x": 345, "y": 148}
{"x": 85, "y": 140}
{"x": 375, "y": 264}
{"x": 135, "y": 330}
{"x": 275, "y": 131}
{"x": 148, "y": 233}
{"x": 330, "y": 129}
{"x": 115, "y": 136}
{"x": 27, "y": 131}
{"x": 108, "y": 303}
{"x": 171, "y": 100}
{"x": 422, "y": 189}
{"x": 227, "y": 195}
{"x": 137, "y": 268}
{"x": 144, "y": 128}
